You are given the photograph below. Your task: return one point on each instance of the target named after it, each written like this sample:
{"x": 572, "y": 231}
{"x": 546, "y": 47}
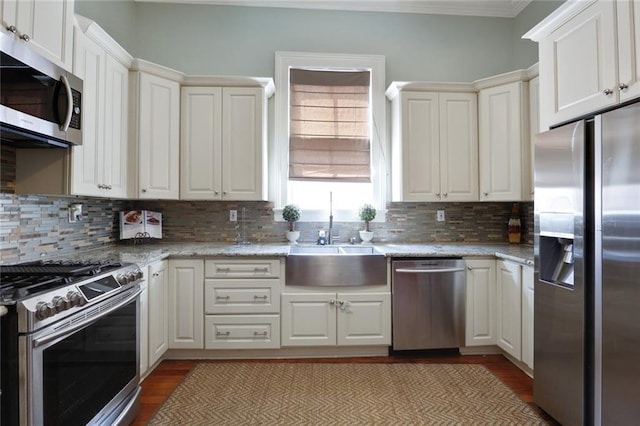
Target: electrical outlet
{"x": 440, "y": 215}
{"x": 233, "y": 215}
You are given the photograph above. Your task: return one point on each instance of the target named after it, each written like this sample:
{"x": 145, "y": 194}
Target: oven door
{"x": 85, "y": 370}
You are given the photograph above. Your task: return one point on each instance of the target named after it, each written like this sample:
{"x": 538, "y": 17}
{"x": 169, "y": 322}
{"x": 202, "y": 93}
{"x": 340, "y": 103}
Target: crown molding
{"x": 486, "y": 8}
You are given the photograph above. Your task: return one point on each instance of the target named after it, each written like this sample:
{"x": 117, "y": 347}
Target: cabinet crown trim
{"x": 565, "y": 12}
{"x": 156, "y": 69}
{"x": 396, "y": 87}
{"x": 94, "y": 31}
{"x": 426, "y": 86}
{"x": 230, "y": 81}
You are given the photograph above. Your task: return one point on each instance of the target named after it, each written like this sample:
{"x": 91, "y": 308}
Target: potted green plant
{"x": 367, "y": 213}
{"x": 291, "y": 213}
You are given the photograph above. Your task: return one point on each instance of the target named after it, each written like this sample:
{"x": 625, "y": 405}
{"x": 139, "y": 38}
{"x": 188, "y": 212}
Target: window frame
{"x": 280, "y": 162}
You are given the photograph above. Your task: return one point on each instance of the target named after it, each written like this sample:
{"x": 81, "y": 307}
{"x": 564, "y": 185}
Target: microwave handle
{"x": 64, "y": 126}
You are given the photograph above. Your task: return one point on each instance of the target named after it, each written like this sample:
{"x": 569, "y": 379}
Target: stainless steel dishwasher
{"x": 428, "y": 303}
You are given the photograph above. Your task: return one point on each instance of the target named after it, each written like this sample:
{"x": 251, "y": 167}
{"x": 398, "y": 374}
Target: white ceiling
{"x": 497, "y": 8}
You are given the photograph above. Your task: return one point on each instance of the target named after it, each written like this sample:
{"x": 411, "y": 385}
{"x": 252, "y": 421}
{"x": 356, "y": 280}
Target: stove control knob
{"x": 139, "y": 274}
{"x": 60, "y": 303}
{"x": 132, "y": 276}
{"x": 45, "y": 310}
{"x": 75, "y": 298}
{"x": 122, "y": 279}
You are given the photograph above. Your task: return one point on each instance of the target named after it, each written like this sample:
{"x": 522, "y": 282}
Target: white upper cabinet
{"x": 588, "y": 58}
{"x": 201, "y": 143}
{"x": 223, "y": 143}
{"x": 99, "y": 165}
{"x": 45, "y": 26}
{"x": 155, "y": 135}
{"x": 435, "y": 145}
{"x": 628, "y": 13}
{"x": 504, "y": 148}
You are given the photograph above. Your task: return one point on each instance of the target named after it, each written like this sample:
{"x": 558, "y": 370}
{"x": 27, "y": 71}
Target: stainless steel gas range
{"x": 69, "y": 343}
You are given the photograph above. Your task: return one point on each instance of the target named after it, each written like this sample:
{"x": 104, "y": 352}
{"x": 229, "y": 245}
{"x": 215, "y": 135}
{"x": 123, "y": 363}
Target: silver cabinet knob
{"x": 608, "y": 92}
{"x": 25, "y": 37}
{"x": 144, "y": 190}
{"x": 332, "y": 302}
{"x": 623, "y": 86}
{"x": 437, "y": 194}
{"x": 12, "y": 29}
{"x": 216, "y": 192}
{"x": 470, "y": 268}
{"x": 445, "y": 194}
{"x": 486, "y": 194}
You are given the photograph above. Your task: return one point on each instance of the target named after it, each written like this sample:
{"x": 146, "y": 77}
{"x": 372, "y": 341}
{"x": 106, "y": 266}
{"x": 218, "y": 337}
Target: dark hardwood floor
{"x": 163, "y": 380}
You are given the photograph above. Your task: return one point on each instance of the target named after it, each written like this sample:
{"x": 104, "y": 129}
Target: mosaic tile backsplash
{"x": 33, "y": 227}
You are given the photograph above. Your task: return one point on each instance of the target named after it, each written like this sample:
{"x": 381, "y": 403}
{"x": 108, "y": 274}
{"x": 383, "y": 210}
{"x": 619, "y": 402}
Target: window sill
{"x": 311, "y": 215}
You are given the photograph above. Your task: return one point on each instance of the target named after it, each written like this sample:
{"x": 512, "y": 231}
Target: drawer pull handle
{"x": 223, "y": 333}
{"x": 261, "y": 269}
{"x": 220, "y": 269}
{"x": 256, "y": 297}
{"x": 263, "y": 334}
{"x": 222, "y": 297}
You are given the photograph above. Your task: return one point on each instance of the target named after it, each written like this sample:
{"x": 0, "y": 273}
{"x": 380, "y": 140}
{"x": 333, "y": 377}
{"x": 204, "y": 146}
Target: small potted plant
{"x": 291, "y": 213}
{"x": 367, "y": 213}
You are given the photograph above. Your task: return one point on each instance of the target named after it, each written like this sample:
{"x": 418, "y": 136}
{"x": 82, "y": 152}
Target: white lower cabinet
{"x": 186, "y": 310}
{"x": 480, "y": 329}
{"x": 527, "y": 316}
{"x": 343, "y": 319}
{"x": 242, "y": 331}
{"x": 509, "y": 282}
{"x": 242, "y": 303}
{"x": 158, "y": 310}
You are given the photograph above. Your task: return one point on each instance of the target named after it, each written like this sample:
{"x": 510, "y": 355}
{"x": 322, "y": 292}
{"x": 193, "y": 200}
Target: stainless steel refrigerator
{"x": 587, "y": 269}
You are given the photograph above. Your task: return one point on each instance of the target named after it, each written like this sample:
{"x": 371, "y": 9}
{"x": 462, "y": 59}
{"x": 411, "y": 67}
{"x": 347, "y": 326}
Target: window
{"x": 329, "y": 121}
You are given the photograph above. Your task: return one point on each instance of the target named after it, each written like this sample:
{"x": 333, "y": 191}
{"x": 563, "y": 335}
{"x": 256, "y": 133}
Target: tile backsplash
{"x": 32, "y": 227}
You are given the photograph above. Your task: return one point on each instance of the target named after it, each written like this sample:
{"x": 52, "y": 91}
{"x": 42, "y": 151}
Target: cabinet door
{"x": 628, "y": 48}
{"x": 418, "y": 148}
{"x": 458, "y": 147}
{"x": 158, "y": 138}
{"x": 364, "y": 319}
{"x": 244, "y": 144}
{"x": 480, "y": 327}
{"x": 201, "y": 143}
{"x": 578, "y": 64}
{"x": 47, "y": 25}
{"x": 308, "y": 319}
{"x": 144, "y": 326}
{"x": 509, "y": 283}
{"x": 158, "y": 311}
{"x": 116, "y": 96}
{"x": 87, "y": 159}
{"x": 186, "y": 310}
{"x": 501, "y": 139}
{"x": 527, "y": 315}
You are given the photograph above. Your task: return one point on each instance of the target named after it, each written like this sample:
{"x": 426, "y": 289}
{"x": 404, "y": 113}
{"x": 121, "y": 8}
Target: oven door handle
{"x": 53, "y": 336}
{"x": 427, "y": 270}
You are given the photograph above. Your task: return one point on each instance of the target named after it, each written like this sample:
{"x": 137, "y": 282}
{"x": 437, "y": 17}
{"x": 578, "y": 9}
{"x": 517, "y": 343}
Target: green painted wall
{"x": 227, "y": 40}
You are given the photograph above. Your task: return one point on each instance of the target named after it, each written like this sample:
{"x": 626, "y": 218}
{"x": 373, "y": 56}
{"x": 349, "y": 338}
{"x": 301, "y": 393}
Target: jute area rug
{"x": 343, "y": 394}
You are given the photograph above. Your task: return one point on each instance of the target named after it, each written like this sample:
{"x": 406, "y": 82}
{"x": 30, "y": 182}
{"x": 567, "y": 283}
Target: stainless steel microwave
{"x": 41, "y": 103}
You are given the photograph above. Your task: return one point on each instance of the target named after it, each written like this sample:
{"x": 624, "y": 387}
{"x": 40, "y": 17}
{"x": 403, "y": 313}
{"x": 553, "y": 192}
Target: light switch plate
{"x": 440, "y": 215}
{"x": 233, "y": 215}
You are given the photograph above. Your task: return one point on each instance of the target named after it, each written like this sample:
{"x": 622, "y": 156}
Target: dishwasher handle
{"x": 421, "y": 270}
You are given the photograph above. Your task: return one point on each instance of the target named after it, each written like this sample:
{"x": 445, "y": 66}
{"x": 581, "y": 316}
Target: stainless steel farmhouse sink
{"x": 335, "y": 266}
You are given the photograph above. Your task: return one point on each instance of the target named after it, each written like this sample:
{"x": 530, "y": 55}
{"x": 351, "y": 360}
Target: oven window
{"x": 83, "y": 373}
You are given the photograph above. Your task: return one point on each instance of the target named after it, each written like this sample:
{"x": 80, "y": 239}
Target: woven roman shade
{"x": 329, "y": 136}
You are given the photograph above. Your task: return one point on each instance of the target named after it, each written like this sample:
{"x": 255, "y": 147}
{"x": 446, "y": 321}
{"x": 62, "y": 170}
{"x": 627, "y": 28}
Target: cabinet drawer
{"x": 242, "y": 268}
{"x": 241, "y": 296}
{"x": 242, "y": 331}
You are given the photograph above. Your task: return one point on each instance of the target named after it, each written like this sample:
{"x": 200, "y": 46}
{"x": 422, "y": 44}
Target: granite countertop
{"x": 147, "y": 254}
